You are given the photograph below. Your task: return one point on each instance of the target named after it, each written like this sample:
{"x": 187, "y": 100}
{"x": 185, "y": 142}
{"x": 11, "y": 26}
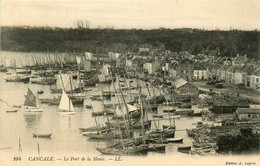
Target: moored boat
{"x": 31, "y": 103}
{"x": 66, "y": 106}
{"x": 130, "y": 150}
{"x": 175, "y": 140}
{"x": 184, "y": 149}
{"x": 45, "y": 135}
{"x": 11, "y": 111}
{"x": 156, "y": 147}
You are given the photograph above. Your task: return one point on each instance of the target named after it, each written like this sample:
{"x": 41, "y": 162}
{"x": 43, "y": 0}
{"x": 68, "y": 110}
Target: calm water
{"x": 66, "y": 136}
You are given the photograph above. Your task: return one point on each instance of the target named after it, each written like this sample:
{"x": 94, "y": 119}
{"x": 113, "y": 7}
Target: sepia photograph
{"x": 120, "y": 82}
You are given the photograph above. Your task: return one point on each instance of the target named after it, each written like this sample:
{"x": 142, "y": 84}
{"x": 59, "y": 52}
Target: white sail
{"x": 123, "y": 110}
{"x": 131, "y": 108}
{"x": 105, "y": 71}
{"x": 65, "y": 103}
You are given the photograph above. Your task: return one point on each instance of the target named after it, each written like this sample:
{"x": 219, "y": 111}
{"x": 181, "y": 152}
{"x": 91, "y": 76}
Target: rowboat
{"x": 88, "y": 106}
{"x": 11, "y": 111}
{"x": 172, "y": 116}
{"x": 47, "y": 135}
{"x": 184, "y": 149}
{"x": 155, "y": 147}
{"x": 97, "y": 113}
{"x": 169, "y": 111}
{"x": 157, "y": 116}
{"x": 175, "y": 140}
{"x": 40, "y": 91}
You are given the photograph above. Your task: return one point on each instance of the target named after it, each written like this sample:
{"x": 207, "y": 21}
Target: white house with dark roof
{"x": 255, "y": 79}
{"x": 200, "y": 73}
{"x": 248, "y": 113}
{"x": 240, "y": 59}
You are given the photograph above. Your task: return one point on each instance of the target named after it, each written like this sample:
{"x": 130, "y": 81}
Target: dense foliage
{"x": 247, "y": 141}
{"x": 227, "y": 43}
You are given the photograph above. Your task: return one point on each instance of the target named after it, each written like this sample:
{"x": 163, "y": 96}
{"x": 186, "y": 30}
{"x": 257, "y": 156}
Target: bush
{"x": 246, "y": 141}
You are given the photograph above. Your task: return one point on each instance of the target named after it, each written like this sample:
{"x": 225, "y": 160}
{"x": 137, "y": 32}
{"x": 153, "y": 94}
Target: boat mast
{"x": 142, "y": 115}
{"x": 95, "y": 118}
{"x": 127, "y": 125}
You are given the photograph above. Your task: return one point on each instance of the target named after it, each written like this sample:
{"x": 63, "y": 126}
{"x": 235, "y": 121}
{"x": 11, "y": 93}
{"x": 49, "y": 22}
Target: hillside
{"x": 43, "y": 39}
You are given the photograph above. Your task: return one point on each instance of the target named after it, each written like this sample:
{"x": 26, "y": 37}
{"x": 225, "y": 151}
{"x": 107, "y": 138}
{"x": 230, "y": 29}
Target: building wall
{"x": 249, "y": 116}
{"x": 255, "y": 82}
{"x": 148, "y": 67}
{"x": 239, "y": 78}
{"x": 200, "y": 74}
{"x": 248, "y": 80}
{"x": 229, "y": 77}
{"x": 87, "y": 65}
{"x": 185, "y": 70}
{"x": 172, "y": 72}
{"x": 156, "y": 65}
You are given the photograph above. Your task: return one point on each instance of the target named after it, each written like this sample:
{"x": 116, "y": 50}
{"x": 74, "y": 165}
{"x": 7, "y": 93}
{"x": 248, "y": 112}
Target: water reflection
{"x": 31, "y": 119}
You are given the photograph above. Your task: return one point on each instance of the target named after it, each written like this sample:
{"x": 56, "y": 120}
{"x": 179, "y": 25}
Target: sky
{"x": 203, "y": 14}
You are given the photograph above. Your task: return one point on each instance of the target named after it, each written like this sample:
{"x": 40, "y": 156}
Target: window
{"x": 257, "y": 79}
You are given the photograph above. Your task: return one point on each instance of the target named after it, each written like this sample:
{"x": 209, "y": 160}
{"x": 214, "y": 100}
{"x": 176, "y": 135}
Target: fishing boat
{"x": 175, "y": 140}
{"x": 158, "y": 116}
{"x": 94, "y": 128}
{"x": 184, "y": 112}
{"x": 156, "y": 147}
{"x": 46, "y": 135}
{"x": 169, "y": 127}
{"x": 142, "y": 149}
{"x": 184, "y": 149}
{"x": 40, "y": 91}
{"x": 169, "y": 111}
{"x": 3, "y": 69}
{"x": 109, "y": 112}
{"x": 24, "y": 72}
{"x": 100, "y": 113}
{"x": 165, "y": 133}
{"x": 88, "y": 106}
{"x": 184, "y": 106}
{"x": 31, "y": 103}
{"x": 48, "y": 81}
{"x": 11, "y": 111}
{"x": 66, "y": 106}
{"x": 18, "y": 79}
{"x": 172, "y": 116}
{"x": 16, "y": 106}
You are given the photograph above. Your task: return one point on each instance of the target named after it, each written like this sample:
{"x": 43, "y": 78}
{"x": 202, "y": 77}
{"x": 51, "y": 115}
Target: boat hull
{"x": 67, "y": 113}
{"x": 129, "y": 151}
{"x": 32, "y": 109}
{"x": 42, "y": 135}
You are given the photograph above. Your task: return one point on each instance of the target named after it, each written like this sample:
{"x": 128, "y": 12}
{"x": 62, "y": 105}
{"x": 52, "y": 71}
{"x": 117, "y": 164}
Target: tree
{"x": 246, "y": 141}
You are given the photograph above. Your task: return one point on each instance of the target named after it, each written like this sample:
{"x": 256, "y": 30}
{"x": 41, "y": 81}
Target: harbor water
{"x": 66, "y": 136}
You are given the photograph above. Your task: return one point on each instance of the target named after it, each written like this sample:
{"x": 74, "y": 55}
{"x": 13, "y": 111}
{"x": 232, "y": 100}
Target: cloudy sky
{"x": 207, "y": 14}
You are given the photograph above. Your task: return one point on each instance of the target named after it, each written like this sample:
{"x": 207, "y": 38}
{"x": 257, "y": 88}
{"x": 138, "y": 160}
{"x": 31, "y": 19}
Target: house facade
{"x": 185, "y": 69}
{"x": 248, "y": 113}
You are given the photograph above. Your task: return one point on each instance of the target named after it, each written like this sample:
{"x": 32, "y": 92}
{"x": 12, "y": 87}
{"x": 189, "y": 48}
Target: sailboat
{"x": 31, "y": 103}
{"x": 66, "y": 106}
{"x": 9, "y": 108}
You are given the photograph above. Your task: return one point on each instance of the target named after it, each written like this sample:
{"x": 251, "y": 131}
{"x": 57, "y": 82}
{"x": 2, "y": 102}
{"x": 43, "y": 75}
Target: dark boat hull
{"x": 137, "y": 150}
